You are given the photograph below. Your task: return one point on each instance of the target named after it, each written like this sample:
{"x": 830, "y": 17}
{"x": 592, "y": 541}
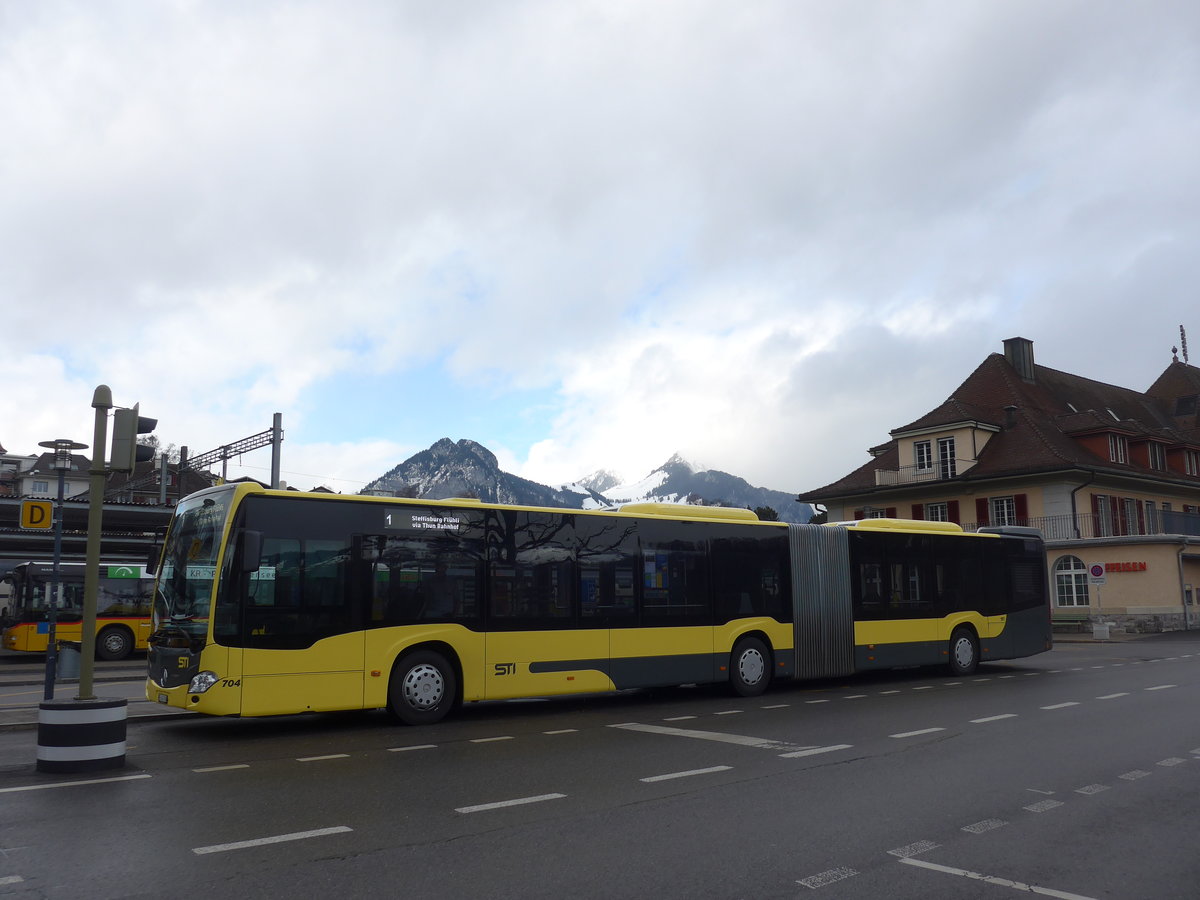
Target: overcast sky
{"x": 583, "y": 234}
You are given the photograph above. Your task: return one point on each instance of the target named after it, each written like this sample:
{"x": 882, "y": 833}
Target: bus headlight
{"x": 202, "y": 682}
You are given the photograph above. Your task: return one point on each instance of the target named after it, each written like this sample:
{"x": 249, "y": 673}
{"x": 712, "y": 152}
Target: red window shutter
{"x": 918, "y": 511}
{"x": 981, "y": 511}
{"x": 890, "y": 512}
{"x": 1021, "y": 508}
{"x": 952, "y": 512}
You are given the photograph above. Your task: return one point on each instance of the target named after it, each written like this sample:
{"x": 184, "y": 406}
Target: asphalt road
{"x": 1076, "y": 773}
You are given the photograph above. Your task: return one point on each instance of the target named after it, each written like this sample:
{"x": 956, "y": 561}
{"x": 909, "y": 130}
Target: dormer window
{"x": 923, "y": 454}
{"x": 1158, "y": 457}
{"x": 1118, "y": 448}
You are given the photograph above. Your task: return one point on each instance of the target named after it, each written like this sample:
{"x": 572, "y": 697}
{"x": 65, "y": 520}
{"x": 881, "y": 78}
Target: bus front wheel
{"x": 750, "y": 667}
{"x": 422, "y": 689}
{"x": 114, "y": 642}
{"x": 964, "y": 652}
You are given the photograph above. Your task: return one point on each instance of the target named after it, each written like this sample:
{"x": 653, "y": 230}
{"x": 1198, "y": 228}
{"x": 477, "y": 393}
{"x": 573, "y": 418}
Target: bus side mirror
{"x": 251, "y": 550}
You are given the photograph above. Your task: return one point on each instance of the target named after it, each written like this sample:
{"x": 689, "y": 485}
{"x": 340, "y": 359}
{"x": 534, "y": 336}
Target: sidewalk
{"x": 22, "y": 690}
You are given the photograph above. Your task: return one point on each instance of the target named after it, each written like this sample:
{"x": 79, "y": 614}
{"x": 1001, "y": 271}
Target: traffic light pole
{"x": 101, "y": 403}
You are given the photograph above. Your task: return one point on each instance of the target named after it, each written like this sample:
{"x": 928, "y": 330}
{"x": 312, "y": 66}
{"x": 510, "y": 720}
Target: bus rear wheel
{"x": 750, "y": 667}
{"x": 964, "y": 652}
{"x": 423, "y": 688}
{"x": 114, "y": 642}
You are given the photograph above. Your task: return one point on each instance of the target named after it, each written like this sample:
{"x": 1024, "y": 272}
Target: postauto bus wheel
{"x": 423, "y": 688}
{"x": 750, "y": 667}
{"x": 114, "y": 642}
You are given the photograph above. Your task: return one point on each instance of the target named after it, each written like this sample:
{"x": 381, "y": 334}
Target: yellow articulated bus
{"x": 122, "y": 607}
{"x": 273, "y": 602}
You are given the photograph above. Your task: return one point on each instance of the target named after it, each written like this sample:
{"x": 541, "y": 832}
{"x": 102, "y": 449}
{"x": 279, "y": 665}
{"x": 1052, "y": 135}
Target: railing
{"x": 938, "y": 471}
{"x": 1087, "y": 525}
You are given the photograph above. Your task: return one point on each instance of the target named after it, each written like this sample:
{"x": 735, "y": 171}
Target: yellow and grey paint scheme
{"x": 352, "y": 671}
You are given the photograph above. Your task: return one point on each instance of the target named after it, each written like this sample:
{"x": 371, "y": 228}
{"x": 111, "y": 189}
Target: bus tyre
{"x": 750, "y": 667}
{"x": 964, "y": 652}
{"x": 423, "y": 688}
{"x": 114, "y": 642}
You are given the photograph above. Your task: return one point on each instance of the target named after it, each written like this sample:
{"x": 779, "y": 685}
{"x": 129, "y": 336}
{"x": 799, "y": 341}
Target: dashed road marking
{"x": 985, "y": 825}
{"x": 815, "y": 751}
{"x": 275, "y": 839}
{"x": 829, "y": 876}
{"x": 11, "y": 879}
{"x": 1043, "y": 806}
{"x": 563, "y": 731}
{"x": 1091, "y": 789}
{"x": 1114, "y": 696}
{"x": 230, "y": 768}
{"x": 1161, "y": 687}
{"x": 688, "y": 774}
{"x": 412, "y": 747}
{"x": 322, "y": 758}
{"x": 908, "y": 734}
{"x": 993, "y": 718}
{"x": 1172, "y": 761}
{"x": 62, "y": 784}
{"x": 504, "y": 804}
{"x": 1134, "y": 775}
{"x": 491, "y": 740}
{"x": 1062, "y": 705}
{"x": 914, "y": 849}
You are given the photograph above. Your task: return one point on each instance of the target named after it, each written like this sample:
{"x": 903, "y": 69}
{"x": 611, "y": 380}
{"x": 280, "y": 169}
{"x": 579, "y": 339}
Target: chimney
{"x": 1019, "y": 353}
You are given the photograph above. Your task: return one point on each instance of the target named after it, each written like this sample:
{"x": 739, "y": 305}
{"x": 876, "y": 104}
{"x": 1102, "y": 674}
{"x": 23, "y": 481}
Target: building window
{"x": 923, "y": 451}
{"x": 1118, "y": 448}
{"x": 41, "y": 487}
{"x": 1070, "y": 582}
{"x": 1191, "y": 462}
{"x": 1003, "y": 511}
{"x": 1158, "y": 457}
{"x": 937, "y": 512}
{"x": 946, "y": 458}
{"x": 1151, "y": 518}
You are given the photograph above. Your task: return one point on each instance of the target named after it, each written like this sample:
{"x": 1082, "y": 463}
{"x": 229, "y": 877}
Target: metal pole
{"x": 55, "y": 593}
{"x": 101, "y": 403}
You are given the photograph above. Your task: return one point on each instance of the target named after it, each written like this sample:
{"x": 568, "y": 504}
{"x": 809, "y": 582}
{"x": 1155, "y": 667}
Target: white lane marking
{"x": 740, "y": 739}
{"x": 1089, "y": 789}
{"x": 11, "y": 879}
{"x": 563, "y": 731}
{"x": 1134, "y": 775}
{"x": 489, "y": 740}
{"x": 1043, "y": 806}
{"x": 815, "y": 751}
{"x": 827, "y": 877}
{"x": 914, "y": 849}
{"x": 993, "y": 879}
{"x": 950, "y": 683}
{"x": 503, "y": 804}
{"x": 1028, "y": 674}
{"x": 411, "y": 747}
{"x": 993, "y": 718}
{"x": 776, "y": 706}
{"x": 854, "y": 697}
{"x": 1002, "y": 677}
{"x": 62, "y": 784}
{"x": 985, "y": 825}
{"x": 908, "y": 734}
{"x": 885, "y": 693}
{"x": 1172, "y": 761}
{"x": 1114, "y": 696}
{"x": 1161, "y": 687}
{"x": 672, "y": 719}
{"x": 1062, "y": 705}
{"x": 688, "y": 774}
{"x": 728, "y": 712}
{"x": 221, "y": 768}
{"x": 276, "y": 839}
{"x": 323, "y": 758}
{"x": 978, "y": 680}
{"x": 816, "y": 701}
{"x": 924, "y": 687}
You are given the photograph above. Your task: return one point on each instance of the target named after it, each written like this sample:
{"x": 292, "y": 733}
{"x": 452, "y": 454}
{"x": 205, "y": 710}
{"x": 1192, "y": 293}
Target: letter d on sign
{"x": 38, "y": 514}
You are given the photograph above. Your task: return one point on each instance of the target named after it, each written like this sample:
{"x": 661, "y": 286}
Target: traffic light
{"x": 126, "y": 451}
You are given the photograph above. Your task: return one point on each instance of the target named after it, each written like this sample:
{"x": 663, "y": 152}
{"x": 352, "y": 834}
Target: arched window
{"x": 1070, "y": 582}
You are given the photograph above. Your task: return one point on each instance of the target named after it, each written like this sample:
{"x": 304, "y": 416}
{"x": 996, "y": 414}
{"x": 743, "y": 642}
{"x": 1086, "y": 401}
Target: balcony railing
{"x": 1087, "y": 525}
{"x": 939, "y": 471}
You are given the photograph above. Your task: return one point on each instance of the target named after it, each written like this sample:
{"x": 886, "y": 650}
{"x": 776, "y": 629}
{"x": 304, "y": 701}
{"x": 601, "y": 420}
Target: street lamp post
{"x": 62, "y": 448}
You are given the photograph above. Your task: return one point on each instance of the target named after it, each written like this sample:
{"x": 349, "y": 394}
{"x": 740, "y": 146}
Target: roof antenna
{"x": 1183, "y": 343}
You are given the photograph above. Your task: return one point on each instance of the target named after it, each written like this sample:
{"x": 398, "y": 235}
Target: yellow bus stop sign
{"x": 38, "y": 514}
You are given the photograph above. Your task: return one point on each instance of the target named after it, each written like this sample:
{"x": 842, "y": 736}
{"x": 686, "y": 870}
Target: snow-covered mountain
{"x": 466, "y": 468}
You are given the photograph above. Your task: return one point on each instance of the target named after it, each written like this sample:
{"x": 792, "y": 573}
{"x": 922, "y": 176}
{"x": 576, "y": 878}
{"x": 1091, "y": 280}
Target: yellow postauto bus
{"x": 122, "y": 607}
{"x": 272, "y": 602}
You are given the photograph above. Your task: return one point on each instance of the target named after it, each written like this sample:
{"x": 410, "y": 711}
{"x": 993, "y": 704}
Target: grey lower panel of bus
{"x": 824, "y": 619}
{"x": 651, "y": 671}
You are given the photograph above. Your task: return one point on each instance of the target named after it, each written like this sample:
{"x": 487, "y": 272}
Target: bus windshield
{"x": 189, "y": 565}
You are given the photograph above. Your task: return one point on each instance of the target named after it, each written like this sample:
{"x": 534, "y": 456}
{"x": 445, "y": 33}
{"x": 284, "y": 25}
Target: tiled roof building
{"x": 1100, "y": 469}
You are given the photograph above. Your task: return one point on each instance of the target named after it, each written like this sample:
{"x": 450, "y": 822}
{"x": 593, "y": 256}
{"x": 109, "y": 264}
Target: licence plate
{"x": 162, "y": 698}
